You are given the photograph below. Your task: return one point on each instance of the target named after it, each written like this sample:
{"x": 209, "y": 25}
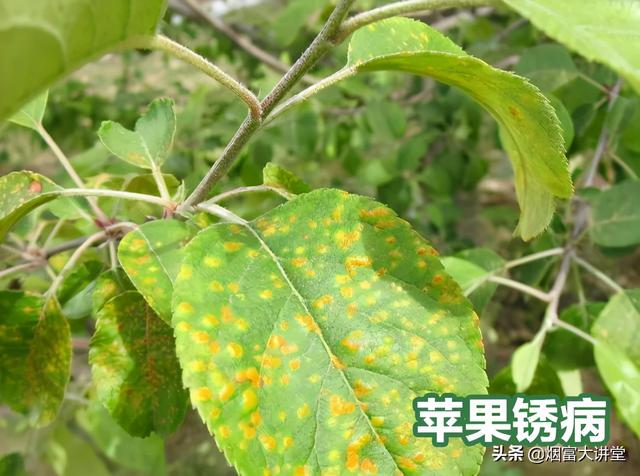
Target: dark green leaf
{"x": 134, "y": 367}
{"x": 35, "y": 355}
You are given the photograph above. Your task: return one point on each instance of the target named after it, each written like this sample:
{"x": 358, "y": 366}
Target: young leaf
{"x": 151, "y": 256}
{"x": 135, "y": 369}
{"x": 20, "y": 193}
{"x": 601, "y": 31}
{"x": 108, "y": 285}
{"x": 305, "y": 336}
{"x": 277, "y": 177}
{"x": 529, "y": 128}
{"x": 524, "y": 362}
{"x": 32, "y": 113}
{"x": 35, "y": 355}
{"x": 616, "y": 215}
{"x": 42, "y": 42}
{"x": 149, "y": 144}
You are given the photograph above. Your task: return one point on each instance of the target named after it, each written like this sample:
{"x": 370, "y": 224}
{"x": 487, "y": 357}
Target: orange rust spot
{"x": 226, "y": 392}
{"x": 337, "y": 363}
{"x": 307, "y": 322}
{"x": 271, "y": 362}
{"x": 35, "y": 187}
{"x": 232, "y": 246}
{"x": 406, "y": 463}
{"x": 227, "y": 314}
{"x": 200, "y": 337}
{"x": 203, "y": 394}
{"x": 347, "y": 239}
{"x": 515, "y": 112}
{"x": 437, "y": 279}
{"x": 361, "y": 389}
{"x": 374, "y": 213}
{"x": 269, "y": 442}
{"x": 368, "y": 466}
{"x": 275, "y": 342}
{"x": 214, "y": 347}
{"x": 256, "y": 418}
{"x": 235, "y": 350}
{"x": 339, "y": 406}
{"x": 354, "y": 262}
{"x": 297, "y": 262}
{"x": 294, "y": 364}
{"x": 352, "y": 309}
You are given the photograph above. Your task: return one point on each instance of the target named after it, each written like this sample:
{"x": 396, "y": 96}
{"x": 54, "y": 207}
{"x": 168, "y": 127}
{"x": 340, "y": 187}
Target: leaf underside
{"x": 529, "y": 128}
{"x": 305, "y": 336}
{"x": 41, "y": 42}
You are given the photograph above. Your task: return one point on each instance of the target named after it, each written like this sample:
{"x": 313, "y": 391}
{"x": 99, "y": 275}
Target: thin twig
{"x": 66, "y": 164}
{"x": 17, "y": 268}
{"x": 598, "y": 274}
{"x": 575, "y": 330}
{"x": 533, "y": 257}
{"x": 407, "y": 7}
{"x": 536, "y": 293}
{"x": 244, "y": 42}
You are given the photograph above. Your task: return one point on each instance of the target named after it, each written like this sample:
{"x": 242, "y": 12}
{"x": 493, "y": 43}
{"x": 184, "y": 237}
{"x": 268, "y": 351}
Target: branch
{"x": 407, "y": 7}
{"x": 244, "y": 42}
{"x": 17, "y": 268}
{"x": 575, "y": 330}
{"x": 318, "y": 47}
{"x": 242, "y": 190}
{"x": 162, "y": 43}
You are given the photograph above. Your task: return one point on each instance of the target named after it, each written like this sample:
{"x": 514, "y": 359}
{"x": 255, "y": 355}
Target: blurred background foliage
{"x": 425, "y": 149}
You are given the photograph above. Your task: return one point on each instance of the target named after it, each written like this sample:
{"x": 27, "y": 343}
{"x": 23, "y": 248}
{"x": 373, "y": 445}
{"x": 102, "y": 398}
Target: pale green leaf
{"x": 466, "y": 273}
{"x": 35, "y": 355}
{"x": 278, "y": 177}
{"x": 524, "y": 362}
{"x": 622, "y": 378}
{"x": 304, "y": 337}
{"x": 151, "y": 256}
{"x": 616, "y": 215}
{"x": 600, "y": 30}
{"x": 31, "y": 113}
{"x": 20, "y": 193}
{"x": 148, "y": 145}
{"x": 529, "y": 128}
{"x": 134, "y": 367}
{"x": 571, "y": 381}
{"x": 41, "y": 42}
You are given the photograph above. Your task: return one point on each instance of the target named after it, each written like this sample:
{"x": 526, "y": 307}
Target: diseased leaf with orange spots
{"x": 108, "y": 285}
{"x": 529, "y": 128}
{"x": 35, "y": 355}
{"x": 151, "y": 256}
{"x": 134, "y": 367}
{"x": 20, "y": 193}
{"x": 305, "y": 335}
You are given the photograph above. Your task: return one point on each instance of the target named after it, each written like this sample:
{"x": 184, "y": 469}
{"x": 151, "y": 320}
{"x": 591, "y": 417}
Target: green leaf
{"x": 465, "y": 273}
{"x": 529, "y": 128}
{"x": 305, "y": 336}
{"x": 12, "y": 464}
{"x": 548, "y": 66}
{"x": 43, "y": 42}
{"x": 617, "y": 353}
{"x": 32, "y": 113}
{"x": 601, "y": 31}
{"x": 20, "y": 193}
{"x": 524, "y": 362}
{"x": 151, "y": 256}
{"x": 616, "y": 216}
{"x": 491, "y": 262}
{"x": 278, "y": 177}
{"x": 545, "y": 381}
{"x": 622, "y": 378}
{"x": 35, "y": 355}
{"x": 149, "y": 144}
{"x": 134, "y": 367}
{"x": 109, "y": 285}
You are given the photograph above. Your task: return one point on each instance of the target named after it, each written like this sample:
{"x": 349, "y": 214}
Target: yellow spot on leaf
{"x": 249, "y": 399}
{"x": 226, "y": 392}
{"x": 232, "y": 246}
{"x": 235, "y": 350}
{"x": 303, "y": 410}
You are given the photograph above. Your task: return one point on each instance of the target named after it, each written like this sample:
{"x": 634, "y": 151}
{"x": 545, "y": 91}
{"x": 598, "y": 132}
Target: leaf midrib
{"x": 303, "y": 303}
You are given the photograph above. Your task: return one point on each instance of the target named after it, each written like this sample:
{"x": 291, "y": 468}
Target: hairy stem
{"x": 244, "y": 42}
{"x": 406, "y": 7}
{"x": 318, "y": 47}
{"x": 66, "y": 164}
{"x": 162, "y": 43}
{"x": 575, "y": 330}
